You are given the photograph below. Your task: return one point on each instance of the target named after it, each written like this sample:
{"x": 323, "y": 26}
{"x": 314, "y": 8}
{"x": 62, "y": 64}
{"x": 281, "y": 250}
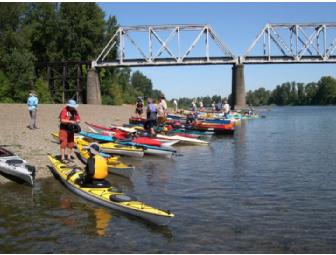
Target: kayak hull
{"x": 15, "y": 168}
{"x": 102, "y": 196}
{"x": 217, "y": 128}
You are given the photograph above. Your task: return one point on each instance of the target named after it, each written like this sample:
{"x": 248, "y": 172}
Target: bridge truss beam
{"x": 116, "y": 55}
{"x": 293, "y": 43}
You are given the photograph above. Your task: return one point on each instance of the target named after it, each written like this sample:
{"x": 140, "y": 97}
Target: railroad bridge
{"x": 275, "y": 44}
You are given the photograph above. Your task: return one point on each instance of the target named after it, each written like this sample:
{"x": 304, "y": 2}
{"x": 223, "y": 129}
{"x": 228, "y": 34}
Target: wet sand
{"x": 33, "y": 145}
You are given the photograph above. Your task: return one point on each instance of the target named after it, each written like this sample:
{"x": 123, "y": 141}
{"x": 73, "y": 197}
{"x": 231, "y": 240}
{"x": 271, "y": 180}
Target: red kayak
{"x": 217, "y": 128}
{"x": 147, "y": 141}
{"x": 106, "y": 130}
{"x": 135, "y": 120}
{"x": 122, "y": 135}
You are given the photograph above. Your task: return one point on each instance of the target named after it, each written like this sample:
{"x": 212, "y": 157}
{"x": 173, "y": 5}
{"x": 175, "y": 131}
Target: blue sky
{"x": 237, "y": 24}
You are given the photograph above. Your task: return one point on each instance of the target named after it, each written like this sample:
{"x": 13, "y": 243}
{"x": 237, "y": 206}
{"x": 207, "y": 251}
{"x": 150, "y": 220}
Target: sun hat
{"x": 94, "y": 148}
{"x": 72, "y": 103}
{"x": 32, "y": 93}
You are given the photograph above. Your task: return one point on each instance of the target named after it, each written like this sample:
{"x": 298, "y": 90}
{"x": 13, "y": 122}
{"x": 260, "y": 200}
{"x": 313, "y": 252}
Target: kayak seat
{"x": 14, "y": 162}
{"x": 122, "y": 198}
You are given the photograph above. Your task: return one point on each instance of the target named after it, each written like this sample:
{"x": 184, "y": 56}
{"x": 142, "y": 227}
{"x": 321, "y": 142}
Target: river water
{"x": 270, "y": 188}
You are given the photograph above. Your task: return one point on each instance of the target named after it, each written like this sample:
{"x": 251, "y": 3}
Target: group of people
{"x": 96, "y": 168}
{"x": 69, "y": 120}
{"x": 156, "y": 113}
{"x": 221, "y": 107}
{"x": 215, "y": 107}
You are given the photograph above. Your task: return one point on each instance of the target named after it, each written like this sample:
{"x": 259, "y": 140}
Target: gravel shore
{"x": 33, "y": 145}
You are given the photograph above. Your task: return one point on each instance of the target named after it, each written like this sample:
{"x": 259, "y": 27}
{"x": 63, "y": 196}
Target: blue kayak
{"x": 152, "y": 150}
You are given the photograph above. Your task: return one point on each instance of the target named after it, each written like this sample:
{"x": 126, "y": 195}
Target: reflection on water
{"x": 102, "y": 219}
{"x": 270, "y": 188}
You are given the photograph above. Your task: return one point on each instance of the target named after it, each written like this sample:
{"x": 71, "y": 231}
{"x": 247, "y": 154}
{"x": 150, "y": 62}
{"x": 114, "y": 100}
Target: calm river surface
{"x": 271, "y": 188}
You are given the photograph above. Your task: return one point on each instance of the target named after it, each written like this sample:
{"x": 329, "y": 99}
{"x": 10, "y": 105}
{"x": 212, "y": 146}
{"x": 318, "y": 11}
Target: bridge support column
{"x": 238, "y": 87}
{"x": 93, "y": 94}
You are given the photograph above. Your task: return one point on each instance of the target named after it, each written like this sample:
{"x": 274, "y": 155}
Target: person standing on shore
{"x": 193, "y": 106}
{"x": 162, "y": 110}
{"x": 139, "y": 107}
{"x": 226, "y": 107}
{"x": 32, "y": 103}
{"x": 69, "y": 120}
{"x": 213, "y": 106}
{"x": 151, "y": 117}
{"x": 201, "y": 106}
{"x": 175, "y": 105}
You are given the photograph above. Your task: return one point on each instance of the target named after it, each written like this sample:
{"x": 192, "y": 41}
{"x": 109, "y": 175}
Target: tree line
{"x": 322, "y": 92}
{"x": 35, "y": 33}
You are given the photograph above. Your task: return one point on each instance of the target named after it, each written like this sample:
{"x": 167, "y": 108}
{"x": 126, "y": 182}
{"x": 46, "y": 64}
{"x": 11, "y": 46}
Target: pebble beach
{"x": 33, "y": 145}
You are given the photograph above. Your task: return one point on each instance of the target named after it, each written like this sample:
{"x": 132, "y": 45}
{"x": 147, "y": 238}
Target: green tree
{"x": 41, "y": 88}
{"x": 301, "y": 97}
{"x": 142, "y": 84}
{"x": 326, "y": 93}
{"x": 311, "y": 90}
{"x": 82, "y": 30}
{"x": 44, "y": 23}
{"x": 16, "y": 60}
{"x": 5, "y": 89}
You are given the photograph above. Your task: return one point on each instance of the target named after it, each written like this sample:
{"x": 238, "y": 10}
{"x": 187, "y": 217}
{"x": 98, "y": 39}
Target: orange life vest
{"x": 101, "y": 168}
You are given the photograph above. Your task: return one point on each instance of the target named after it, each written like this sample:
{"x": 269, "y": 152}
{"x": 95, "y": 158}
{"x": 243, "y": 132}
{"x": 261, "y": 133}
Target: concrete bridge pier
{"x": 238, "y": 87}
{"x": 93, "y": 94}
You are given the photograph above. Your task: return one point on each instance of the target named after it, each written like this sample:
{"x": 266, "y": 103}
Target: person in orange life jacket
{"x": 69, "y": 120}
{"x": 151, "y": 117}
{"x": 96, "y": 166}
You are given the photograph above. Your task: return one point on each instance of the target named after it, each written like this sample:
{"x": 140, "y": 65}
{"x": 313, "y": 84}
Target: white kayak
{"x": 168, "y": 143}
{"x": 183, "y": 140}
{"x": 15, "y": 168}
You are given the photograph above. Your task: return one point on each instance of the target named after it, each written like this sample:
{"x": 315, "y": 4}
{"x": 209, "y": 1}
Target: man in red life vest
{"x": 69, "y": 120}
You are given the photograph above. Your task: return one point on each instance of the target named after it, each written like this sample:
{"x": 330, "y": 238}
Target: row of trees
{"x": 322, "y": 92}
{"x": 35, "y": 33}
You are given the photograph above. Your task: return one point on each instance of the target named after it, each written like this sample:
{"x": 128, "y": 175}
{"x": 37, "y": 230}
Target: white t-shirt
{"x": 162, "y": 108}
{"x": 226, "y": 108}
{"x": 164, "y": 104}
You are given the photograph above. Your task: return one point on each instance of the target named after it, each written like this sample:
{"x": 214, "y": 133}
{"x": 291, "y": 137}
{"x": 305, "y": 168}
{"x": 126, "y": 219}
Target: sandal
{"x": 63, "y": 161}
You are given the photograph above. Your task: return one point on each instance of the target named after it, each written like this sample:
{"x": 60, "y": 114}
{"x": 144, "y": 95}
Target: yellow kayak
{"x": 109, "y": 147}
{"x": 104, "y": 194}
{"x": 114, "y": 165}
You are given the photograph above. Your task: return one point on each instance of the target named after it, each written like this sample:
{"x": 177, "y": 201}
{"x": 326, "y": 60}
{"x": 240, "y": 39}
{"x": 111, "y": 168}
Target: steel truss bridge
{"x": 166, "y": 45}
{"x": 296, "y": 43}
{"x": 176, "y": 56}
{"x": 276, "y": 43}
